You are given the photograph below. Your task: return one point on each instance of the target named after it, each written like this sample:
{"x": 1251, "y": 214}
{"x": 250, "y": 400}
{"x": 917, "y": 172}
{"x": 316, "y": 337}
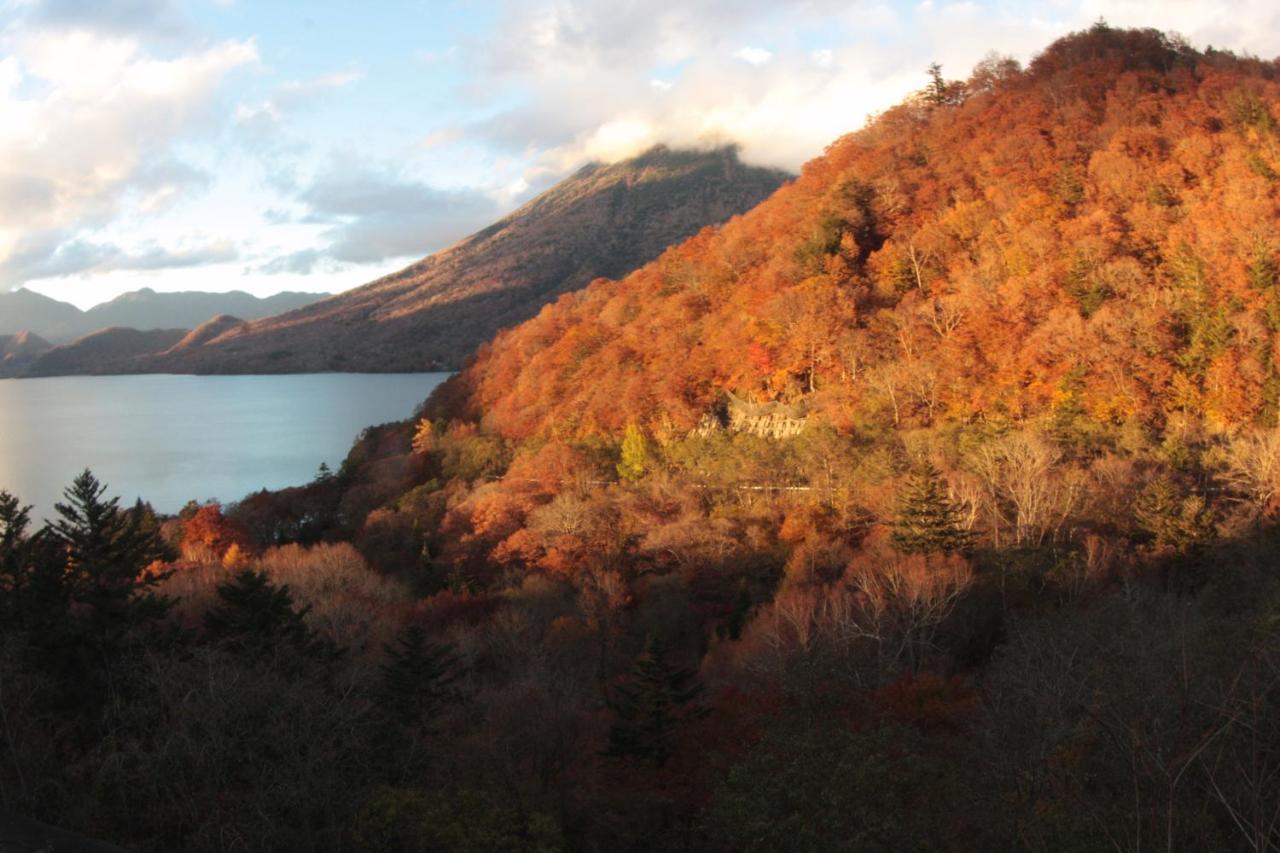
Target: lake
{"x": 169, "y": 439}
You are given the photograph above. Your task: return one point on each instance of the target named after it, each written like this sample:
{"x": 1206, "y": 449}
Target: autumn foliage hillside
{"x": 1097, "y": 231}
{"x": 934, "y": 504}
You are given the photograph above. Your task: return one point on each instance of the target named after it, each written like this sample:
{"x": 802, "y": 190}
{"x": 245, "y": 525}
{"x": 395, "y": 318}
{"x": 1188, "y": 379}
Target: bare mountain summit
{"x": 21, "y": 349}
{"x": 603, "y": 221}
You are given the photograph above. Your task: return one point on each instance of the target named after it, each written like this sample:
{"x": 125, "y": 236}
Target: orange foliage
{"x": 1093, "y": 211}
{"x": 209, "y": 536}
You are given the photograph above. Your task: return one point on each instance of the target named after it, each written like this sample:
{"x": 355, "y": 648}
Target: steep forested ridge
{"x": 605, "y": 220}
{"x": 1097, "y": 231}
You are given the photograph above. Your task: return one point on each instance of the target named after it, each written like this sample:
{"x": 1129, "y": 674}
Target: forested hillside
{"x": 1092, "y": 238}
{"x": 930, "y": 505}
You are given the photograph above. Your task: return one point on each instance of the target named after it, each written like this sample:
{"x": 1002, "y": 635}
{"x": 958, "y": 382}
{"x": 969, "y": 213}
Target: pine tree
{"x": 635, "y": 454}
{"x": 1174, "y": 518}
{"x": 255, "y": 617}
{"x": 928, "y": 520}
{"x": 107, "y": 552}
{"x": 936, "y": 91}
{"x": 418, "y": 679}
{"x": 658, "y": 700}
{"x": 14, "y": 566}
{"x": 33, "y": 596}
{"x": 82, "y": 592}
{"x": 942, "y": 92}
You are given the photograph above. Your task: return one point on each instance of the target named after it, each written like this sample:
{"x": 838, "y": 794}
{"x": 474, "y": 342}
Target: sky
{"x": 267, "y": 146}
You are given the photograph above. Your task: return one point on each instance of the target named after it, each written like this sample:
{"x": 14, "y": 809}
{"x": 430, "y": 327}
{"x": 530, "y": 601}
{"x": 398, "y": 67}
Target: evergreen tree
{"x": 928, "y": 520}
{"x": 14, "y": 521}
{"x": 418, "y": 679}
{"x": 107, "y": 552}
{"x": 1173, "y": 518}
{"x": 936, "y": 91}
{"x": 658, "y": 700}
{"x": 14, "y": 548}
{"x": 635, "y": 454}
{"x": 256, "y": 617}
{"x": 942, "y": 92}
{"x": 82, "y": 593}
{"x": 32, "y": 594}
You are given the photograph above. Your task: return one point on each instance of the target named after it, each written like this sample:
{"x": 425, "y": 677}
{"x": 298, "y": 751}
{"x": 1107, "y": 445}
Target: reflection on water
{"x": 169, "y": 439}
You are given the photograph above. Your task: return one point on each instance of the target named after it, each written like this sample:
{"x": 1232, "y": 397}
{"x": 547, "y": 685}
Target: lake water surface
{"x": 170, "y": 439}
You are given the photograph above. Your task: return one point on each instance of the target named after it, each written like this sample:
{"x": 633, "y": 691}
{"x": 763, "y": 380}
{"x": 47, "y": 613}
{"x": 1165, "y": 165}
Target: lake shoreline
{"x": 171, "y": 438}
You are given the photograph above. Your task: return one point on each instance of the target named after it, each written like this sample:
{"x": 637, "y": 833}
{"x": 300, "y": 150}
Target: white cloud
{"x": 292, "y": 95}
{"x": 85, "y": 257}
{"x": 84, "y": 119}
{"x": 588, "y": 68}
{"x": 155, "y": 18}
{"x": 1243, "y": 25}
{"x": 588, "y": 65}
{"x": 753, "y": 55}
{"x": 293, "y": 91}
{"x": 620, "y": 138}
{"x": 444, "y": 136}
{"x": 373, "y": 212}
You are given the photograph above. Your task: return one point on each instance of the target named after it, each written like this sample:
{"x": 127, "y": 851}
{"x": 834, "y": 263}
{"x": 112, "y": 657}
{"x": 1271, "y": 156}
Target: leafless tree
{"x": 1027, "y": 490}
{"x": 1253, "y": 468}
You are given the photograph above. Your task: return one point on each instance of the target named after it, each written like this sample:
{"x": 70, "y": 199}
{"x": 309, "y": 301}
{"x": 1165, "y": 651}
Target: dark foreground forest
{"x": 931, "y": 505}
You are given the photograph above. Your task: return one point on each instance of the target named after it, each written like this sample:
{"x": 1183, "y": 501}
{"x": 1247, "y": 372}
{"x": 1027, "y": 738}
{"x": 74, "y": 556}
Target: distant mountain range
{"x": 144, "y": 310}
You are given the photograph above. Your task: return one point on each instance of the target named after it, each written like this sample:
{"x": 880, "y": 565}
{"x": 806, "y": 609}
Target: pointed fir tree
{"x": 928, "y": 521}
{"x": 107, "y": 553}
{"x": 33, "y": 595}
{"x": 658, "y": 700}
{"x": 418, "y": 679}
{"x": 1174, "y": 518}
{"x": 255, "y": 617}
{"x": 15, "y": 519}
{"x": 936, "y": 91}
{"x": 83, "y": 592}
{"x": 15, "y": 567}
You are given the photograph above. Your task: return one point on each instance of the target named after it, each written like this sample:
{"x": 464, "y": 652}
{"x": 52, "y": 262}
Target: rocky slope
{"x": 17, "y": 351}
{"x": 604, "y": 221}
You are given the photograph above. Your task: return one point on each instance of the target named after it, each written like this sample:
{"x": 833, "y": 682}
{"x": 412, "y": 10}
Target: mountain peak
{"x": 603, "y": 221}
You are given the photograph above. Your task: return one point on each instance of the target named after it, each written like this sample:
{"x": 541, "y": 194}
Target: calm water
{"x": 170, "y": 439}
